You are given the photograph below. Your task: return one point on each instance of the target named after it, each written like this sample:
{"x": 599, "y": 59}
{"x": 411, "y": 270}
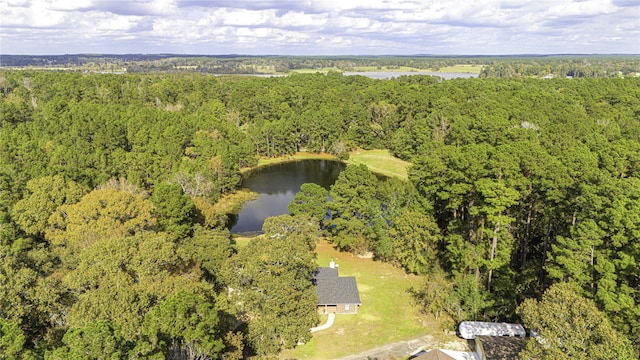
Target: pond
{"x": 395, "y": 74}
{"x": 277, "y": 185}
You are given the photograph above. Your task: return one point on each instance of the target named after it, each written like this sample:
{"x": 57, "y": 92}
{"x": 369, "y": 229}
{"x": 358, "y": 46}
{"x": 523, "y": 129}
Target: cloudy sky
{"x": 320, "y": 27}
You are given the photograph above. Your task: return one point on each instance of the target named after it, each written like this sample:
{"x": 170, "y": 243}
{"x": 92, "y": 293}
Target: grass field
{"x": 387, "y": 313}
{"x": 240, "y": 242}
{"x": 472, "y": 69}
{"x": 266, "y": 69}
{"x": 380, "y": 161}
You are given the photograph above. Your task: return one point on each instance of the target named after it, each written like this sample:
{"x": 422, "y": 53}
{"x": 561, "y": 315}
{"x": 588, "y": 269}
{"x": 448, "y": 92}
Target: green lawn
{"x": 241, "y": 242}
{"x": 380, "y": 161}
{"x": 387, "y": 313}
{"x": 472, "y": 69}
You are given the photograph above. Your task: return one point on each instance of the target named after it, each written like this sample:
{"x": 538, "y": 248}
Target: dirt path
{"x": 326, "y": 325}
{"x": 398, "y": 350}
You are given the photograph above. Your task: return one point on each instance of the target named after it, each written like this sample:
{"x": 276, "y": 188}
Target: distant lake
{"x": 277, "y": 185}
{"x": 395, "y": 74}
{"x": 383, "y": 74}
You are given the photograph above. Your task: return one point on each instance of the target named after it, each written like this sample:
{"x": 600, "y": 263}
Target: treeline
{"x": 564, "y": 67}
{"x": 108, "y": 183}
{"x": 574, "y": 66}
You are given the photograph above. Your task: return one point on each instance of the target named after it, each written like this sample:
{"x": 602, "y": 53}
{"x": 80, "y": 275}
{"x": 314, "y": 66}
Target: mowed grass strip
{"x": 472, "y": 69}
{"x": 387, "y": 314}
{"x": 381, "y": 162}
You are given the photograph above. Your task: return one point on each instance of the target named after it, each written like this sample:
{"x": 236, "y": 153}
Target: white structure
{"x": 470, "y": 329}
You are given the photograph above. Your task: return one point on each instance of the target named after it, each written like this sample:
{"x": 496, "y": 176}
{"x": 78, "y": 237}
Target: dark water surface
{"x": 277, "y": 186}
{"x": 395, "y": 74}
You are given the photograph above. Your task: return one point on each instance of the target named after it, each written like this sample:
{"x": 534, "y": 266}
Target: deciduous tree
{"x": 571, "y": 327}
{"x": 270, "y": 285}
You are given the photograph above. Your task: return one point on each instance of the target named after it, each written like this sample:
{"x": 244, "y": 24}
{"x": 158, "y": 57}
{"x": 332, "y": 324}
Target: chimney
{"x": 332, "y": 264}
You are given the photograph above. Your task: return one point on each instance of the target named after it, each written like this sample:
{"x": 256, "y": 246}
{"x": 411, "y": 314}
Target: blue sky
{"x": 321, "y": 27}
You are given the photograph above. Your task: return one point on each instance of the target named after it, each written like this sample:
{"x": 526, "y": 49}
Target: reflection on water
{"x": 277, "y": 186}
{"x": 386, "y": 74}
{"x": 395, "y": 74}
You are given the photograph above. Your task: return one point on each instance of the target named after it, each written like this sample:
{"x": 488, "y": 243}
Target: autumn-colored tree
{"x": 99, "y": 215}
{"x": 45, "y": 195}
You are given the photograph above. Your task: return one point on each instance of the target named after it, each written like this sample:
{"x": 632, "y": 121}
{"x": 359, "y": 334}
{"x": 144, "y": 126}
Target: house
{"x": 336, "y": 294}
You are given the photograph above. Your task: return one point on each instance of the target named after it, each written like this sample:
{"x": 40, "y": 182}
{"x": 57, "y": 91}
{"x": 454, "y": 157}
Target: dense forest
{"x": 522, "y": 193}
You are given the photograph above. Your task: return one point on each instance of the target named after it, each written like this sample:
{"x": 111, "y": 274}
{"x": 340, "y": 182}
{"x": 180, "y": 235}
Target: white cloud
{"x": 341, "y": 27}
{"x": 580, "y": 9}
{"x": 300, "y": 19}
{"x": 337, "y": 6}
{"x": 117, "y": 24}
{"x": 239, "y": 17}
{"x": 17, "y": 3}
{"x": 350, "y": 24}
{"x": 62, "y": 5}
{"x": 39, "y": 14}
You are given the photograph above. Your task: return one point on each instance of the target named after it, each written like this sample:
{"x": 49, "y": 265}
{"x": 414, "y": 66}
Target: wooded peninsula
{"x": 522, "y": 203}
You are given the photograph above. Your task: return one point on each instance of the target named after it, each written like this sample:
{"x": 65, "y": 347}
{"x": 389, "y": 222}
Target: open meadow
{"x": 472, "y": 69}
{"x": 380, "y": 162}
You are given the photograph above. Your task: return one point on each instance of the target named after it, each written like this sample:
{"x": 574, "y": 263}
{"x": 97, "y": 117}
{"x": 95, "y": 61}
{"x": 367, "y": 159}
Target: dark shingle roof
{"x": 326, "y": 273}
{"x": 333, "y": 289}
{"x": 502, "y": 347}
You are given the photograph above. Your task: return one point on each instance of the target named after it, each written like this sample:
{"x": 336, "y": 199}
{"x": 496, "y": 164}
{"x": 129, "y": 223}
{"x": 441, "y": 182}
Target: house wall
{"x": 338, "y": 309}
{"x": 346, "y": 309}
{"x": 326, "y": 309}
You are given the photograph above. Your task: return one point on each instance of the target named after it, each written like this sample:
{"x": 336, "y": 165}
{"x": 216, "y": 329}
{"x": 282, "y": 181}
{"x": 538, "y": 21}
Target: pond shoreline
{"x": 301, "y": 155}
{"x": 382, "y": 154}
{"x": 278, "y": 179}
{"x": 277, "y": 183}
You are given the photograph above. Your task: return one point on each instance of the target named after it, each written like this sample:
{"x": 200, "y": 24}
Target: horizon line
{"x": 331, "y": 55}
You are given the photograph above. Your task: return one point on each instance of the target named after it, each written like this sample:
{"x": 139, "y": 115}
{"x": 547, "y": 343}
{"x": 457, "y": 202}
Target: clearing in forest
{"x": 387, "y": 314}
{"x": 378, "y": 161}
{"x": 381, "y": 162}
{"x": 471, "y": 69}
